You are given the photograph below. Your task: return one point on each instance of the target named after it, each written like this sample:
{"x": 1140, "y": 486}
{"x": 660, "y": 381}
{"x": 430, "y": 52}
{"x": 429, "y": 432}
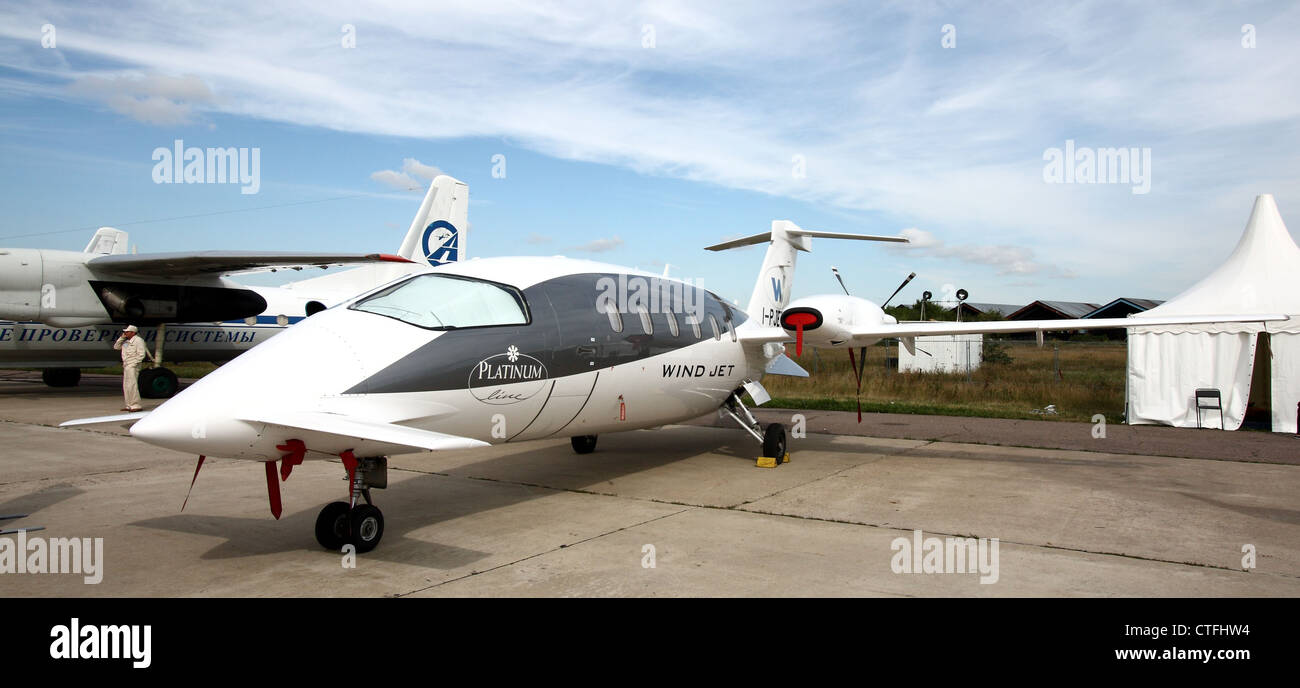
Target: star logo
{"x": 512, "y": 353}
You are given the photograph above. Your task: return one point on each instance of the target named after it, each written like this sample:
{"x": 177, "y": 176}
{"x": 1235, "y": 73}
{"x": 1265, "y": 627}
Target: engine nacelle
{"x": 20, "y": 284}
{"x": 826, "y": 321}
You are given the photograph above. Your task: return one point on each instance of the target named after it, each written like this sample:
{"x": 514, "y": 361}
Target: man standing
{"x": 133, "y": 353}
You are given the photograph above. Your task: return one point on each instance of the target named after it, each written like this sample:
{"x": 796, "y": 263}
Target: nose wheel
{"x": 349, "y": 523}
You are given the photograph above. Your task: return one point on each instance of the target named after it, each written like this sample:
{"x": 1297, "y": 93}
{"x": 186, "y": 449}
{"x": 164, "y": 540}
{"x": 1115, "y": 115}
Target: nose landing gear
{"x": 346, "y": 523}
{"x": 775, "y": 449}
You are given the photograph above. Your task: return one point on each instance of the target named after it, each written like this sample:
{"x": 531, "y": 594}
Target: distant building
{"x": 1121, "y": 308}
{"x": 1051, "y": 310}
{"x": 969, "y": 311}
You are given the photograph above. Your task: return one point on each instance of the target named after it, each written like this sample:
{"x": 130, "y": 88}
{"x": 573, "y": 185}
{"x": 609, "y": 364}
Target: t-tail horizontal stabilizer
{"x": 776, "y": 277}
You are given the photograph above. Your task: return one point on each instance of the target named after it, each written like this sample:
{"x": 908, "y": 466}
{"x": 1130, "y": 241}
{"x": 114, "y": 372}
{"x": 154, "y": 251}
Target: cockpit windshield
{"x": 442, "y": 302}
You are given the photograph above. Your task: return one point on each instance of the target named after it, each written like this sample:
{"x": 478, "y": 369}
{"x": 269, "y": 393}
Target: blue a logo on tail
{"x": 441, "y": 243}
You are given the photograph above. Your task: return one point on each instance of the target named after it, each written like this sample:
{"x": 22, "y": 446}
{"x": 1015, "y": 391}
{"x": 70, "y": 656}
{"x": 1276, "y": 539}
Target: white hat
{"x": 131, "y": 328}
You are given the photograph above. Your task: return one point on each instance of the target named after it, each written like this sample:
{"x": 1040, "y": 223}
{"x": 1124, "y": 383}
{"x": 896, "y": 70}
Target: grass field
{"x": 1091, "y": 381}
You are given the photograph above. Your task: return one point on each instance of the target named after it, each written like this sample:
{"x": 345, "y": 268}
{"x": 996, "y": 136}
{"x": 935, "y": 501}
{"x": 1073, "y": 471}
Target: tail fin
{"x": 107, "y": 241}
{"x": 776, "y": 277}
{"x": 437, "y": 234}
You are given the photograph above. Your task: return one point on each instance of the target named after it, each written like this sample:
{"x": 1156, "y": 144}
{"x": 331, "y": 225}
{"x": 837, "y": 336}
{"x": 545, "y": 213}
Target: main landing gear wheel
{"x": 332, "y": 528}
{"x": 338, "y": 525}
{"x": 158, "y": 383}
{"x": 350, "y": 523}
{"x": 584, "y": 444}
{"x": 774, "y": 442}
{"x": 367, "y": 525}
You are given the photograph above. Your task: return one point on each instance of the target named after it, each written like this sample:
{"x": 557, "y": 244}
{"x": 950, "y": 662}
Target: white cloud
{"x": 406, "y": 180}
{"x": 416, "y": 168}
{"x": 152, "y": 98}
{"x": 888, "y": 121}
{"x": 1007, "y": 260}
{"x": 397, "y": 180}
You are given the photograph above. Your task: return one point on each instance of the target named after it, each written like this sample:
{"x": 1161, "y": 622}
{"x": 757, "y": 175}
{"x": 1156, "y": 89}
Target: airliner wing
{"x": 866, "y": 335}
{"x": 172, "y": 265}
{"x": 347, "y": 426}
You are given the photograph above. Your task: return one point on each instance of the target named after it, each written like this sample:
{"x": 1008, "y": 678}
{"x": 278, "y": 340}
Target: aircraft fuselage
{"x": 567, "y": 367}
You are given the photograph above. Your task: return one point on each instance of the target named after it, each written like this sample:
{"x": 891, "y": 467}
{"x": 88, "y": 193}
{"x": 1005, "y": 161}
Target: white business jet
{"x": 484, "y": 352}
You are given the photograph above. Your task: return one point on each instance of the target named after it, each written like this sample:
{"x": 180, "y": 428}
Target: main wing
{"x": 348, "y": 428}
{"x": 336, "y": 427}
{"x": 173, "y": 265}
{"x": 869, "y": 334}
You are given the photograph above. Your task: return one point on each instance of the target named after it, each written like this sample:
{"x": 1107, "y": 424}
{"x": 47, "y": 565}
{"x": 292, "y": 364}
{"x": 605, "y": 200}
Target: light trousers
{"x": 131, "y": 386}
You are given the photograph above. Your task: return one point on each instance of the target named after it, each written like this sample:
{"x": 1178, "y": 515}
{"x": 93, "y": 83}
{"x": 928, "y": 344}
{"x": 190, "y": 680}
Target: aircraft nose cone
{"x": 181, "y": 429}
{"x": 220, "y": 415}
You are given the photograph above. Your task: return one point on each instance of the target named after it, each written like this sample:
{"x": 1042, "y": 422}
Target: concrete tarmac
{"x": 1098, "y": 518}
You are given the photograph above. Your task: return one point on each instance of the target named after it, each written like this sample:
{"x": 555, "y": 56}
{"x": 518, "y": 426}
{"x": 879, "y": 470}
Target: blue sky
{"x": 650, "y": 130}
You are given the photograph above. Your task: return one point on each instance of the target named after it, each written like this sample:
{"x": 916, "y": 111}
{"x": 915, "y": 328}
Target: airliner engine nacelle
{"x": 49, "y": 287}
{"x": 20, "y": 284}
{"x": 57, "y": 288}
{"x": 827, "y": 320}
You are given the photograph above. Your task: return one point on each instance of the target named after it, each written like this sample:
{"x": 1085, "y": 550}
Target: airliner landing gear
{"x": 61, "y": 377}
{"x": 346, "y": 523}
{"x": 583, "y": 444}
{"x": 158, "y": 383}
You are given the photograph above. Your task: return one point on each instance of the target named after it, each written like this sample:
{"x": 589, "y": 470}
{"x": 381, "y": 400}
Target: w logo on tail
{"x": 441, "y": 243}
{"x": 776, "y": 289}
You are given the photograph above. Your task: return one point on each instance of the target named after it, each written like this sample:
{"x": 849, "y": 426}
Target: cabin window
{"x": 694, "y": 322}
{"x": 731, "y": 329}
{"x": 615, "y": 319}
{"x": 646, "y": 325}
{"x": 446, "y": 302}
{"x": 672, "y": 323}
{"x": 713, "y": 324}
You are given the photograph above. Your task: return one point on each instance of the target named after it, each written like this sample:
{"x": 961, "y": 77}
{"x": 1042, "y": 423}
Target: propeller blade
{"x": 841, "y": 279}
{"x": 797, "y": 320}
{"x": 273, "y": 488}
{"x": 900, "y": 288}
{"x": 857, "y": 373}
{"x": 192, "y": 480}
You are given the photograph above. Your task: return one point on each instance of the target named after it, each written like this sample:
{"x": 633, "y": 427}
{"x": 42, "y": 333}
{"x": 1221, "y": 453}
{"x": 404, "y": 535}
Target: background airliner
{"x": 62, "y": 310}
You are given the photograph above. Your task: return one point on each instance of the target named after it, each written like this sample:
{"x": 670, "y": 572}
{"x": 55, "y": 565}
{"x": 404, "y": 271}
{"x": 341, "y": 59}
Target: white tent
{"x": 1168, "y": 363}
